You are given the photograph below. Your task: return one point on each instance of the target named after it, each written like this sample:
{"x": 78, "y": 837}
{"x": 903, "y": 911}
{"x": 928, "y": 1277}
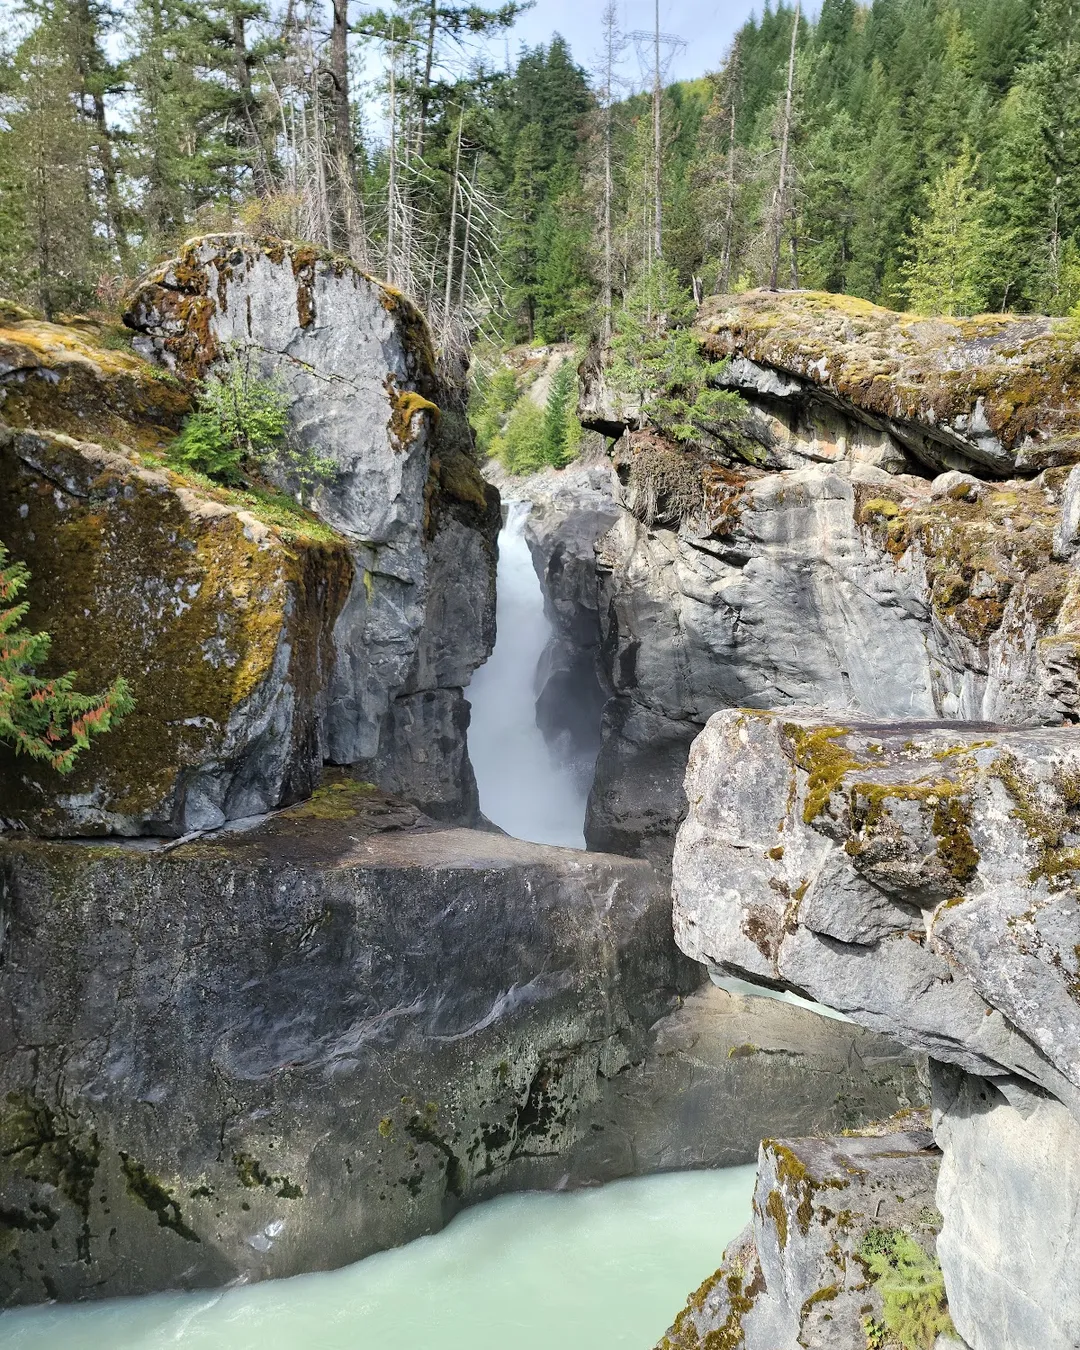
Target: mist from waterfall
{"x": 526, "y": 787}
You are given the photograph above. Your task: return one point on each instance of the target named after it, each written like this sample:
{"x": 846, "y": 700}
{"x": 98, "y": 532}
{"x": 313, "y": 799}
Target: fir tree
{"x": 951, "y": 246}
{"x": 45, "y": 719}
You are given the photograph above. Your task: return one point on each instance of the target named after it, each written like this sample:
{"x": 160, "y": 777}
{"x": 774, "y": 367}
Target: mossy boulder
{"x": 802, "y": 1274}
{"x": 85, "y": 380}
{"x": 998, "y": 393}
{"x": 918, "y": 876}
{"x": 221, "y": 622}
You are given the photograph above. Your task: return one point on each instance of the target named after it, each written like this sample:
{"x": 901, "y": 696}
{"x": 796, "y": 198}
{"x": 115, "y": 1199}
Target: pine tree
{"x": 951, "y": 246}
{"x": 558, "y": 442}
{"x": 51, "y": 213}
{"x": 45, "y": 718}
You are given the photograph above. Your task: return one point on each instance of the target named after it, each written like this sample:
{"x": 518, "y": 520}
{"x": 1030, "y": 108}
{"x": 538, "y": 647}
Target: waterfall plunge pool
{"x": 606, "y": 1268}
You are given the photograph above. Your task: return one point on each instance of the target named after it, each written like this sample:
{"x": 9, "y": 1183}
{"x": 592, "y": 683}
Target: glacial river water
{"x": 600, "y": 1269}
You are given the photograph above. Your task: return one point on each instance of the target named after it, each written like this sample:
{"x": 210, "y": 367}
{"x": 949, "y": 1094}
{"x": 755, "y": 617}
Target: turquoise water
{"x": 584, "y": 1270}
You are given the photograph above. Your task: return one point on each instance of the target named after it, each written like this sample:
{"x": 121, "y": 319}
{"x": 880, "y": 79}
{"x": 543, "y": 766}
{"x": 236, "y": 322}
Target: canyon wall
{"x": 284, "y": 1046}
{"x": 860, "y": 624}
{"x": 865, "y": 543}
{"x": 260, "y": 637}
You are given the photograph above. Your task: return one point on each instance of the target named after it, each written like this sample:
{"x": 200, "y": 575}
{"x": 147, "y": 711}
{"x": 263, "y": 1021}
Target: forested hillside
{"x": 923, "y": 154}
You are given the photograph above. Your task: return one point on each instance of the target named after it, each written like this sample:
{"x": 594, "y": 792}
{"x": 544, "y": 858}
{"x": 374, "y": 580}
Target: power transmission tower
{"x": 673, "y": 44}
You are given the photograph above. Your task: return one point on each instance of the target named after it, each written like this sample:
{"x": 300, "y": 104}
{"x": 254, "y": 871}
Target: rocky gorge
{"x": 841, "y": 646}
{"x": 274, "y": 994}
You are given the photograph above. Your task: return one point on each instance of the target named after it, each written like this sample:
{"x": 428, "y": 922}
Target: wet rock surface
{"x": 285, "y": 1046}
{"x": 571, "y": 511}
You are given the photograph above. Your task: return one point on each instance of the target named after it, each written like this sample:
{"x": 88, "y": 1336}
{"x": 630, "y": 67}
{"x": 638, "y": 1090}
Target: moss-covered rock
{"x": 84, "y": 380}
{"x": 1000, "y": 391}
{"x": 222, "y": 625}
{"x": 800, "y": 1274}
{"x": 926, "y": 885}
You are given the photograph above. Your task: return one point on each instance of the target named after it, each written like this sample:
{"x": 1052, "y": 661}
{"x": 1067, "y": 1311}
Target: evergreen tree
{"x": 52, "y": 216}
{"x": 45, "y": 718}
{"x": 951, "y": 246}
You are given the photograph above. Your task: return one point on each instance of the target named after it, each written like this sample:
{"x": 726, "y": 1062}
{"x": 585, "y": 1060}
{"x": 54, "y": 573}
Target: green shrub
{"x": 521, "y": 446}
{"x": 912, "y": 1288}
{"x": 45, "y": 719}
{"x": 658, "y": 361}
{"x": 493, "y": 397}
{"x": 244, "y": 419}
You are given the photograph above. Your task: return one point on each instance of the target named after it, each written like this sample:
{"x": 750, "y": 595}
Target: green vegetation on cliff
{"x": 45, "y": 718}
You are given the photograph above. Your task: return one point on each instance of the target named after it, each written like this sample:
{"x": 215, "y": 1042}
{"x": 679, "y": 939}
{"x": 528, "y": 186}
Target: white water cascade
{"x": 525, "y": 788}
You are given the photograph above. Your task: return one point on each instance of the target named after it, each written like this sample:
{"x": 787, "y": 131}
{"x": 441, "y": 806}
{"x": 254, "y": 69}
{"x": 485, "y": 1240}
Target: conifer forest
{"x": 918, "y": 153}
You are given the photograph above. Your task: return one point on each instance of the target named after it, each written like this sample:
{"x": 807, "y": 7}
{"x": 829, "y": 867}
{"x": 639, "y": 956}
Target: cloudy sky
{"x": 707, "y": 27}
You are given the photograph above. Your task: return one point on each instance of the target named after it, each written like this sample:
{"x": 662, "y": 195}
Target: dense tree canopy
{"x": 934, "y": 148}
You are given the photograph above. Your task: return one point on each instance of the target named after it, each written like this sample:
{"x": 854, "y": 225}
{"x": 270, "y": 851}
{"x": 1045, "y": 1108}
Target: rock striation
{"x": 287, "y": 1045}
{"x": 802, "y": 1273}
{"x": 827, "y": 558}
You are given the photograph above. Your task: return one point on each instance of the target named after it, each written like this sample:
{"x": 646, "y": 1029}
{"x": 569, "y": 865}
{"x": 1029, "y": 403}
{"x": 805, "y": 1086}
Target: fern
{"x": 912, "y": 1288}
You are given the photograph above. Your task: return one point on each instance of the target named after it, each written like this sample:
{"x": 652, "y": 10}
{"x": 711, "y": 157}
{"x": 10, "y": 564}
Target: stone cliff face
{"x": 572, "y": 509}
{"x": 220, "y": 615}
{"x": 283, "y": 1047}
{"x": 922, "y": 877}
{"x": 357, "y": 362}
{"x": 843, "y": 556}
{"x": 260, "y": 639}
{"x": 861, "y": 613}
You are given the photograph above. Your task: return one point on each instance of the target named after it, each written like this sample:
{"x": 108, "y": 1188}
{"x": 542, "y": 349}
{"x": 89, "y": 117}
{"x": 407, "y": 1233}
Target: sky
{"x": 706, "y": 26}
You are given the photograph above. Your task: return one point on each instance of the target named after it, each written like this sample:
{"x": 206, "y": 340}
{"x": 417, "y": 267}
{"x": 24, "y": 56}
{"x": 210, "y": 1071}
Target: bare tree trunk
{"x": 260, "y": 166}
{"x": 658, "y": 201}
{"x": 780, "y": 199}
{"x": 391, "y": 187}
{"x": 91, "y": 63}
{"x": 611, "y": 45}
{"x": 350, "y": 234}
{"x": 467, "y": 244}
{"x": 729, "y": 208}
{"x": 425, "y": 88}
{"x": 449, "y": 290}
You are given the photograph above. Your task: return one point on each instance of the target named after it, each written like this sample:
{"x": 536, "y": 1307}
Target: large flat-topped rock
{"x": 999, "y": 391}
{"x": 301, "y": 1040}
{"x": 918, "y": 876}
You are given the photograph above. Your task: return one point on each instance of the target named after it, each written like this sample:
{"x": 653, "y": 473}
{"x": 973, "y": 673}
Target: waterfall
{"x": 525, "y": 788}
